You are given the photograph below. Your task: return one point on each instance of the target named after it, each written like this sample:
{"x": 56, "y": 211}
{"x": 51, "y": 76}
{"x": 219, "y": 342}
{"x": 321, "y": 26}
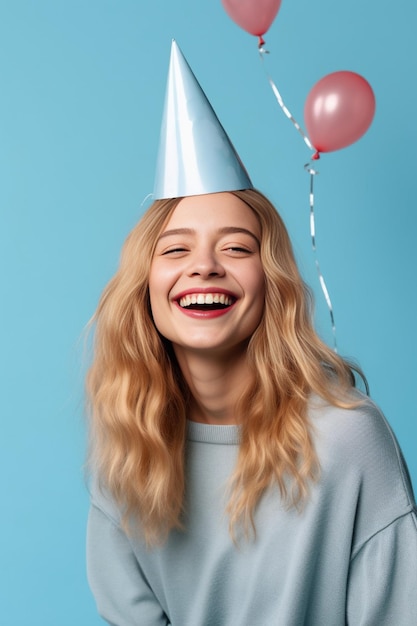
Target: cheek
{"x": 161, "y": 281}
{"x": 256, "y": 282}
{"x": 155, "y": 290}
{"x": 157, "y": 279}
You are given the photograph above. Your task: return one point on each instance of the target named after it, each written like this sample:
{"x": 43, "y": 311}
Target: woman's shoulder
{"x": 362, "y": 465}
{"x": 360, "y": 441}
{"x": 362, "y": 426}
{"x": 102, "y": 500}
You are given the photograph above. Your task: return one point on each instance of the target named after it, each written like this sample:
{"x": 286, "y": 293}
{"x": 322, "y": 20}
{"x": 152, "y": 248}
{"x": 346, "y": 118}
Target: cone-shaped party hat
{"x": 195, "y": 154}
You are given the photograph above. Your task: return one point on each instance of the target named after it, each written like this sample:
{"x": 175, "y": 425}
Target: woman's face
{"x": 206, "y": 280}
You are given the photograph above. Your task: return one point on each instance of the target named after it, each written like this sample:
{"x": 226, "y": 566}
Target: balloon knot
{"x": 261, "y": 41}
{"x": 316, "y": 156}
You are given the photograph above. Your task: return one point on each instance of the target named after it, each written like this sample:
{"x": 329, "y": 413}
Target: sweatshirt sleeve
{"x": 122, "y": 594}
{"x": 382, "y": 586}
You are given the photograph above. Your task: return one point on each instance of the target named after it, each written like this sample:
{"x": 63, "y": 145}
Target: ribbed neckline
{"x": 212, "y": 433}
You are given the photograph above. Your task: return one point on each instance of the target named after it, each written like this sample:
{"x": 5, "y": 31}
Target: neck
{"x": 215, "y": 383}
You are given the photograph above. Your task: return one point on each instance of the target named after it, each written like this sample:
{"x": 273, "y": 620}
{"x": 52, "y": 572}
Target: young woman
{"x": 238, "y": 477}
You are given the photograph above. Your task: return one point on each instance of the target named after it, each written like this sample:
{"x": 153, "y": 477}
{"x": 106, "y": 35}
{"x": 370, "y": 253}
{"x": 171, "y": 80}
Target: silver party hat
{"x": 195, "y": 154}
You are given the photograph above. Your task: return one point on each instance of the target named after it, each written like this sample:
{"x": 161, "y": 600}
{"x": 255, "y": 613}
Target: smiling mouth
{"x": 206, "y": 301}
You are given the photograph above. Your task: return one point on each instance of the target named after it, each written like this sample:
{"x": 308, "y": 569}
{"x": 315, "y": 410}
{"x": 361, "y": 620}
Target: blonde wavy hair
{"x": 138, "y": 398}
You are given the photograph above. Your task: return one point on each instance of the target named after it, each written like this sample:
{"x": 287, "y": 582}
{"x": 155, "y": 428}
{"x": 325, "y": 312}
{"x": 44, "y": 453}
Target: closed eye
{"x": 237, "y": 250}
{"x": 176, "y": 250}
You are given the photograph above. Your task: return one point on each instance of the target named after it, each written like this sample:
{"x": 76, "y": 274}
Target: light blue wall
{"x": 81, "y": 94}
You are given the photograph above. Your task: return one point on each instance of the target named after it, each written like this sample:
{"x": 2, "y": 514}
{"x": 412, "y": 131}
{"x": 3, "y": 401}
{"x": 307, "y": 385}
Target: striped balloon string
{"x": 262, "y": 52}
{"x": 313, "y": 172}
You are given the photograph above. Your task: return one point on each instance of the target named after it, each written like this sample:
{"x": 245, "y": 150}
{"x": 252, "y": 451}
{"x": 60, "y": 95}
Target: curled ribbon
{"x": 280, "y": 101}
{"x": 313, "y": 172}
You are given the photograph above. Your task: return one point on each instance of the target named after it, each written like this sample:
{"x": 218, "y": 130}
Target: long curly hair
{"x": 137, "y": 397}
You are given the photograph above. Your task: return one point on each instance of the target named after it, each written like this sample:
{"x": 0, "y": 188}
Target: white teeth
{"x": 206, "y": 298}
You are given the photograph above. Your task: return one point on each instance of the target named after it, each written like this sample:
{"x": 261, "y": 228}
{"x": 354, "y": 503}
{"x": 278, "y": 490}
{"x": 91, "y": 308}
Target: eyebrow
{"x": 226, "y": 230}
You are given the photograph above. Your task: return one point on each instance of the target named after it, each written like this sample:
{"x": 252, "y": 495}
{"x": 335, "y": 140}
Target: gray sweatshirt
{"x": 350, "y": 557}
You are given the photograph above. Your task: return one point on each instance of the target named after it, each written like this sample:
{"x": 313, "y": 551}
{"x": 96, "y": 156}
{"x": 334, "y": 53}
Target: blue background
{"x": 81, "y": 94}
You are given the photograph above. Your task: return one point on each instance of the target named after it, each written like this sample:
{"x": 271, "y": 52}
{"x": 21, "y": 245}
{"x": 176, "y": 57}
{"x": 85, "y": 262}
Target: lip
{"x": 200, "y": 314}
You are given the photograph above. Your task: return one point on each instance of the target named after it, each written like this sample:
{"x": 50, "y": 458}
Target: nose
{"x": 206, "y": 264}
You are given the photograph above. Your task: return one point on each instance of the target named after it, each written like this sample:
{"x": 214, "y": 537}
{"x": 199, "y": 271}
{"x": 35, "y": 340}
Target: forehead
{"x": 214, "y": 211}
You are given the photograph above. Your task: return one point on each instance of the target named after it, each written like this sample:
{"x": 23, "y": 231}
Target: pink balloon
{"x": 254, "y": 16}
{"x": 338, "y": 110}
